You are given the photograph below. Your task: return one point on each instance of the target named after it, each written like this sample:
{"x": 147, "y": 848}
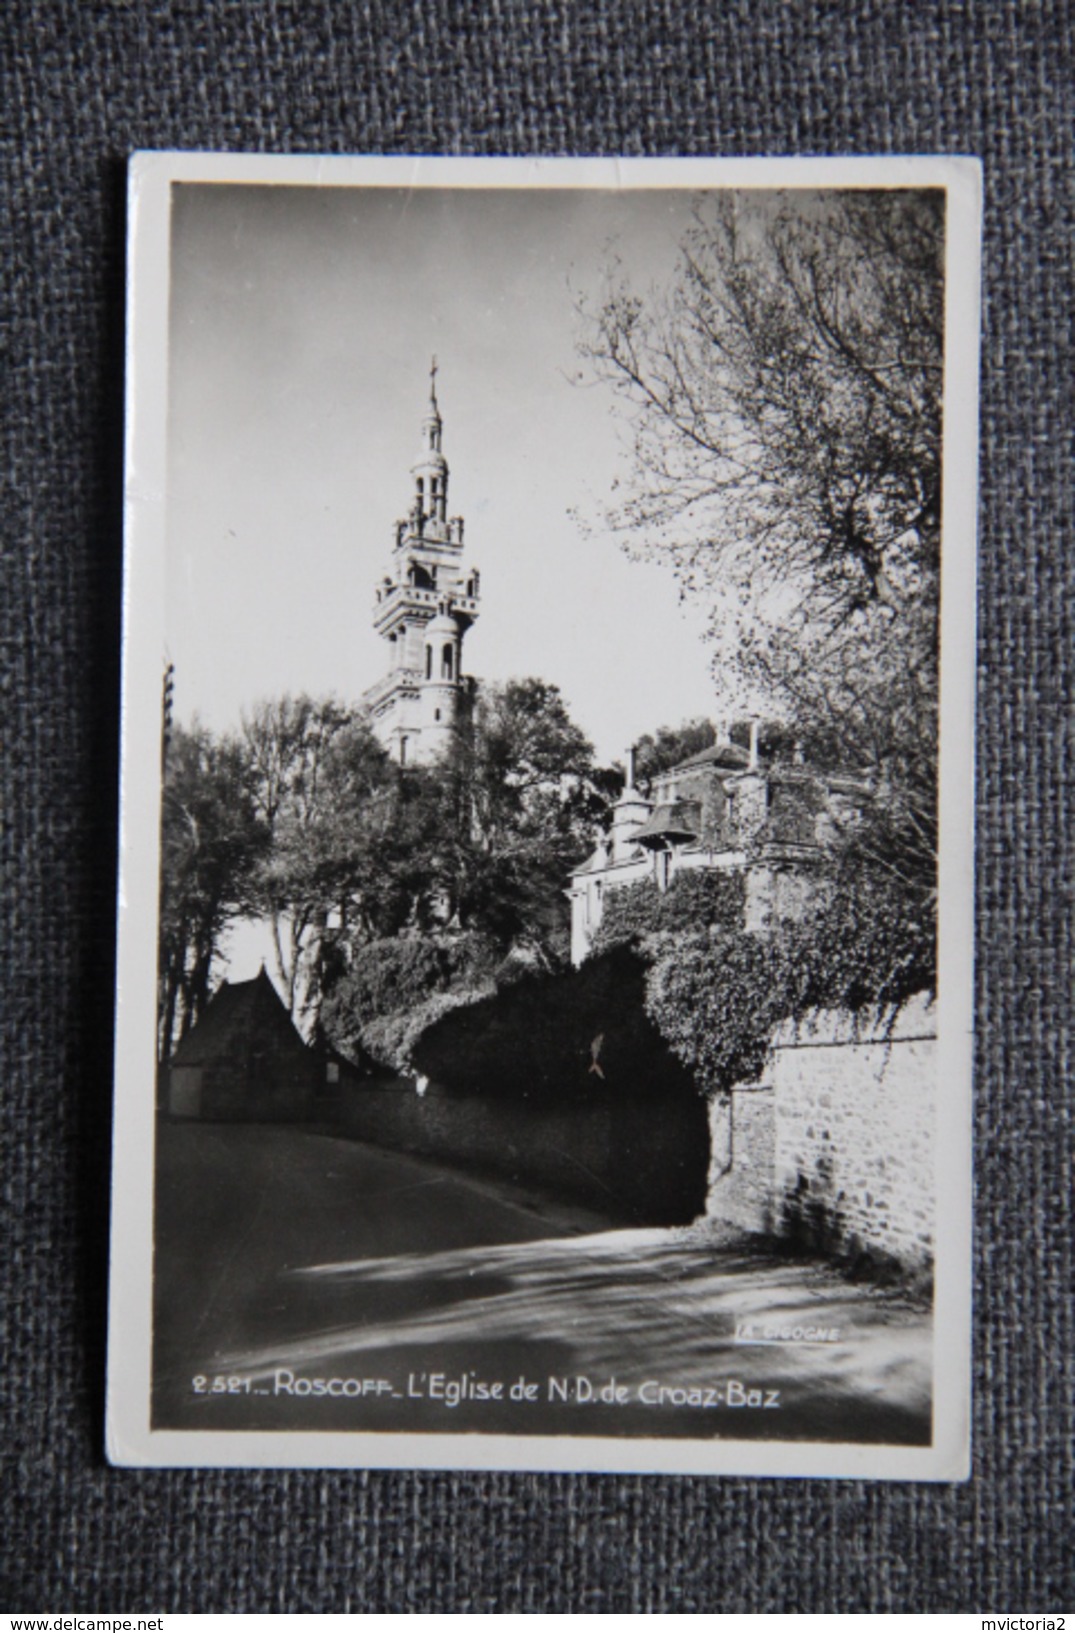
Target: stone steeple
{"x": 426, "y": 602}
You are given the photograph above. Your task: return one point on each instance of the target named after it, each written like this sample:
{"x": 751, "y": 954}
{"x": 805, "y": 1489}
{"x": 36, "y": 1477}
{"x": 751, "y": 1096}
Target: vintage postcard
{"x": 545, "y": 936}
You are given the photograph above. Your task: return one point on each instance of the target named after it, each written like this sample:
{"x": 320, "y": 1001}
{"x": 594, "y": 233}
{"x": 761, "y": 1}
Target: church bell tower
{"x": 426, "y": 602}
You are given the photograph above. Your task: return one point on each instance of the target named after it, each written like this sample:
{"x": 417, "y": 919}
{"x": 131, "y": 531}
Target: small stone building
{"x": 244, "y": 1061}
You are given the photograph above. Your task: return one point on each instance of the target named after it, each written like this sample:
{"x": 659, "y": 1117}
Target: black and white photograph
{"x": 544, "y": 975}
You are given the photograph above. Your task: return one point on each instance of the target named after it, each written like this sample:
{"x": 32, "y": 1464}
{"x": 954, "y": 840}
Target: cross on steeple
{"x": 433, "y": 380}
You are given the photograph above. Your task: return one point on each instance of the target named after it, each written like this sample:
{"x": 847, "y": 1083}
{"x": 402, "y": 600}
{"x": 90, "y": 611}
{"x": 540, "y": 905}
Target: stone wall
{"x": 633, "y": 1160}
{"x": 742, "y": 1156}
{"x": 281, "y": 1091}
{"x": 835, "y": 1148}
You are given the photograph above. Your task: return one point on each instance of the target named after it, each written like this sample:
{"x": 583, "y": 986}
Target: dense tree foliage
{"x": 519, "y": 796}
{"x": 383, "y": 888}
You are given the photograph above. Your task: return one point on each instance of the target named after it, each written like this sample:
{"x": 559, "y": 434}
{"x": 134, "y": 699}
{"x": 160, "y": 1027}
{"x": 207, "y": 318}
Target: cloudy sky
{"x": 302, "y": 325}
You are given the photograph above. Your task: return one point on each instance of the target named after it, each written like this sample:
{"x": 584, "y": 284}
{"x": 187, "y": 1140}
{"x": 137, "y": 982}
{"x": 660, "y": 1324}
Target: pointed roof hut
{"x": 244, "y": 1060}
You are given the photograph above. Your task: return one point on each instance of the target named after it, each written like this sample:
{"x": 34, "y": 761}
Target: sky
{"x": 302, "y": 323}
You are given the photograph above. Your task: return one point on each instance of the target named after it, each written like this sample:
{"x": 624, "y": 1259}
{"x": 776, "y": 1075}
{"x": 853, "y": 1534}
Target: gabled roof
{"x": 241, "y": 1017}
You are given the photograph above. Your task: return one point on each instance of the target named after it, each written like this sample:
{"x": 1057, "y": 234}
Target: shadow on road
{"x": 452, "y": 1285}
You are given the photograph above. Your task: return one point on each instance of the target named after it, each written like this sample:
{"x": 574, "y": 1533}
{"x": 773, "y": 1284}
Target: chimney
{"x": 753, "y": 763}
{"x": 630, "y": 768}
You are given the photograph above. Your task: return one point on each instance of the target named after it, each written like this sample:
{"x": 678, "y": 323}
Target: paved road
{"x": 285, "y": 1257}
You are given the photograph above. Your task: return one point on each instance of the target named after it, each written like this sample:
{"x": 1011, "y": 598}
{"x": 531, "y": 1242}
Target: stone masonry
{"x": 835, "y": 1148}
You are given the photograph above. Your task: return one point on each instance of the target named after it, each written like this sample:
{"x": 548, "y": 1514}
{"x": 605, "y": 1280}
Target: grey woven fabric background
{"x": 83, "y": 84}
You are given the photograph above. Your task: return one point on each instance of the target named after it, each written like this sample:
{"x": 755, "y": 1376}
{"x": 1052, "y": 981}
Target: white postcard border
{"x": 130, "y": 1440}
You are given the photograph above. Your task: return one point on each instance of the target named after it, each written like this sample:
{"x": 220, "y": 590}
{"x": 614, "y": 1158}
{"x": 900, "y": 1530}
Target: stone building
{"x": 425, "y": 603}
{"x": 725, "y": 809}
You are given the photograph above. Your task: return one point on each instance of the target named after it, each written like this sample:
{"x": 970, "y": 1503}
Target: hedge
{"x": 539, "y": 1039}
